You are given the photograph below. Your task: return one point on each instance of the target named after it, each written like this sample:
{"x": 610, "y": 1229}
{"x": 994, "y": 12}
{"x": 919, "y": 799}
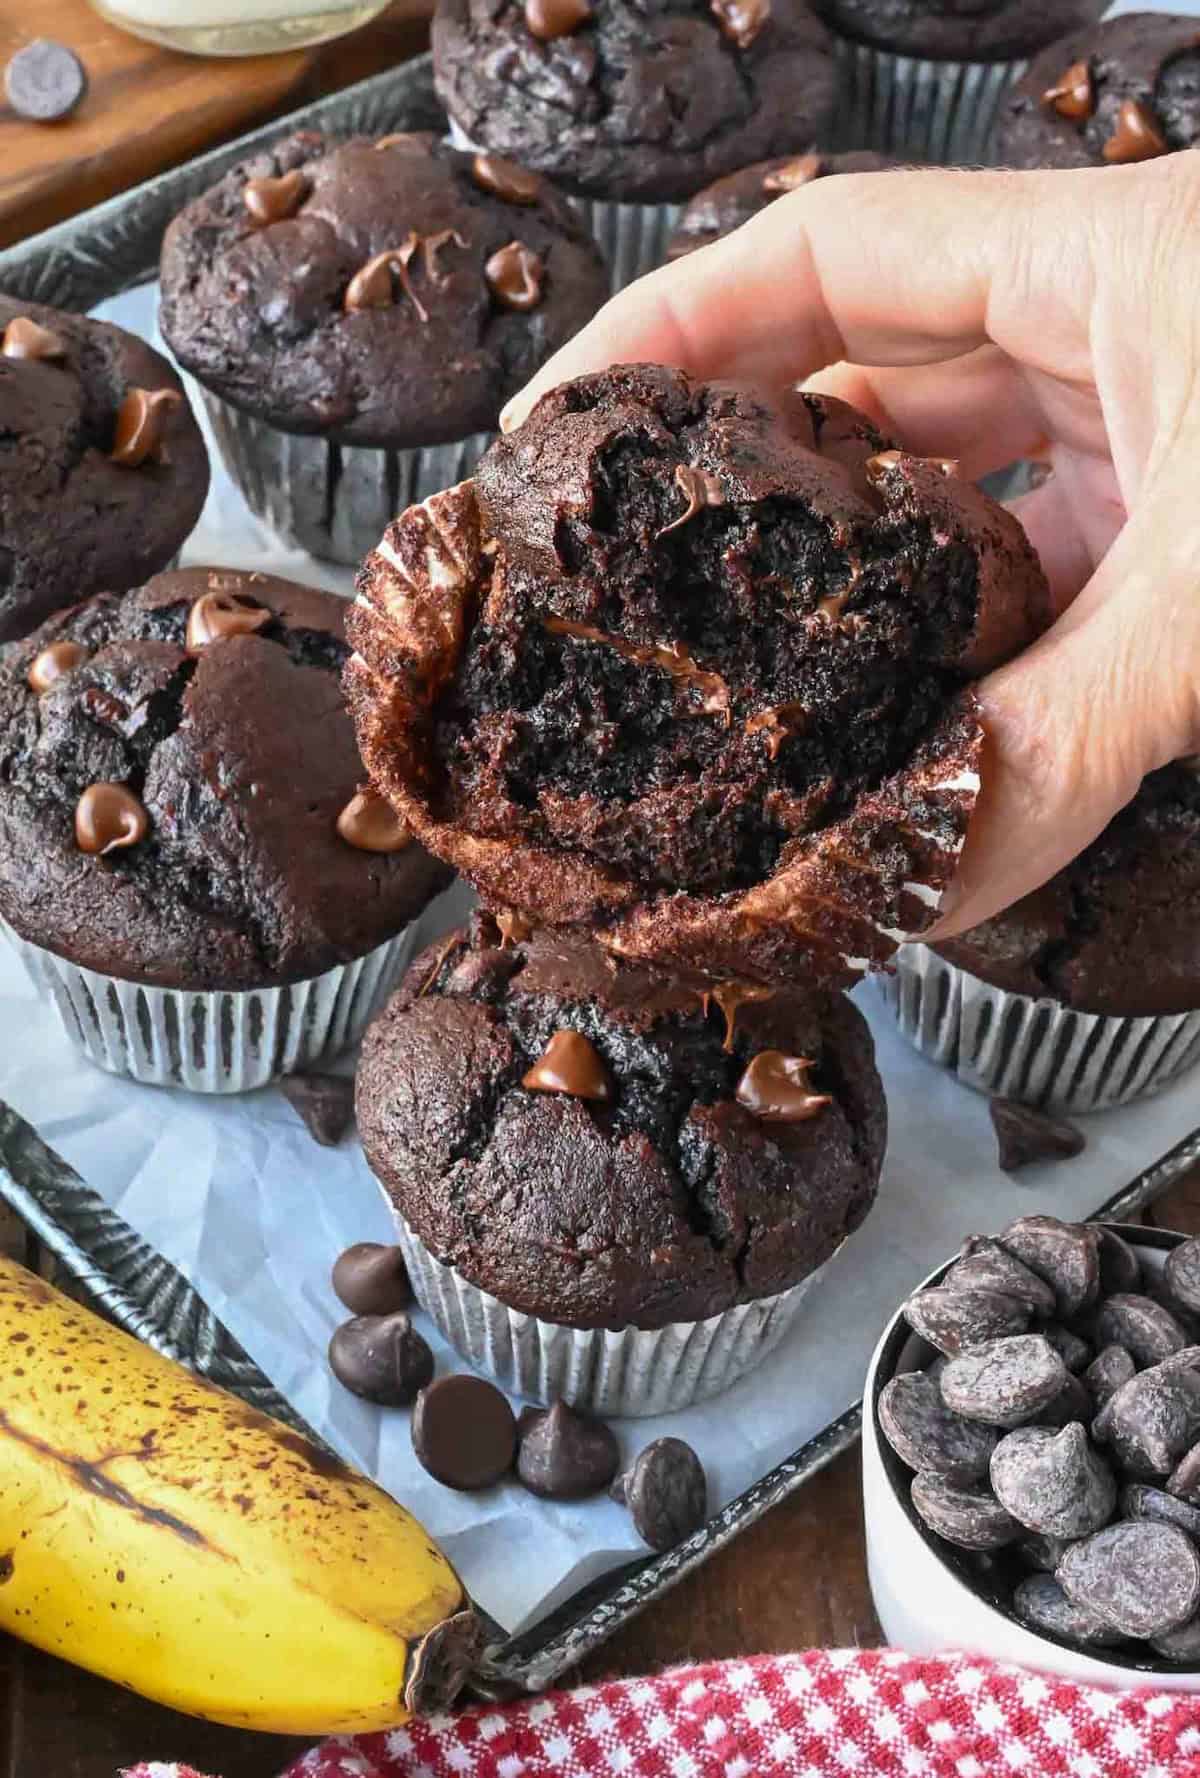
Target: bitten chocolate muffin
{"x": 948, "y": 30}
{"x": 634, "y": 102}
{"x": 692, "y": 673}
{"x": 387, "y": 292}
{"x": 1125, "y": 90}
{"x": 727, "y": 203}
{"x": 178, "y": 789}
{"x": 105, "y": 470}
{"x": 1117, "y": 931}
{"x": 601, "y": 1145}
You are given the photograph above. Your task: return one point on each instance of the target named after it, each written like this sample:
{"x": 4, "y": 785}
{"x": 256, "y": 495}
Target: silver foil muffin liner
{"x": 631, "y": 1373}
{"x": 335, "y": 501}
{"x": 944, "y": 113}
{"x": 219, "y": 1041}
{"x": 1034, "y": 1050}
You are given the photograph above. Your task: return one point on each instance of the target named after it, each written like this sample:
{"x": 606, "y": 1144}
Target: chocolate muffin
{"x": 947, "y": 30}
{"x": 1125, "y": 90}
{"x": 388, "y": 294}
{"x": 105, "y": 470}
{"x": 180, "y": 807}
{"x": 728, "y": 202}
{"x": 601, "y": 1146}
{"x": 634, "y": 102}
{"x": 693, "y": 673}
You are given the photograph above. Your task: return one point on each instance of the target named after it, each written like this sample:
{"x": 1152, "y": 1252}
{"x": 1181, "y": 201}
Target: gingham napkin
{"x": 841, "y": 1713}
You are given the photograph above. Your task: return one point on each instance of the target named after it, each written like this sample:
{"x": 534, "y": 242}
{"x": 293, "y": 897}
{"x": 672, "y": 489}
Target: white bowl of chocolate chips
{"x": 1031, "y": 1454}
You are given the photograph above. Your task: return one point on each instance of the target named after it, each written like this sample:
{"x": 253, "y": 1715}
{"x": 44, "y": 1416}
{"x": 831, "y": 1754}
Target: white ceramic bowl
{"x": 924, "y": 1594}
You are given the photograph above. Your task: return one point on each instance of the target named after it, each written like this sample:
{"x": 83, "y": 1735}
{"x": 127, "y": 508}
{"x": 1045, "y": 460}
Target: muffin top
{"x": 176, "y": 766}
{"x": 105, "y": 470}
{"x": 728, "y": 202}
{"x": 954, "y": 30}
{"x": 1117, "y": 931}
{"x": 600, "y": 1144}
{"x": 1126, "y": 90}
{"x": 387, "y": 292}
{"x": 634, "y": 100}
{"x": 692, "y": 673}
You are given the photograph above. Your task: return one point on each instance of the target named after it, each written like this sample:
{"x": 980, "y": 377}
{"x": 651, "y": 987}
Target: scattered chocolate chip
{"x": 1142, "y": 1326}
{"x": 1139, "y": 1576}
{"x": 1024, "y": 1136}
{"x": 666, "y": 1492}
{"x": 1039, "y": 1551}
{"x": 1074, "y": 1351}
{"x": 141, "y": 420}
{"x": 571, "y": 1065}
{"x": 699, "y": 489}
{"x": 1182, "y": 1645}
{"x": 793, "y": 174}
{"x": 443, "y": 1662}
{"x": 45, "y": 81}
{"x": 325, "y": 1103}
{"x": 1053, "y": 1481}
{"x": 372, "y": 1279}
{"x": 1072, "y": 94}
{"x": 51, "y": 662}
{"x": 381, "y": 1358}
{"x": 777, "y": 1089}
{"x": 1140, "y": 1501}
{"x": 548, "y": 19}
{"x": 1151, "y": 1421}
{"x": 741, "y": 20}
{"x": 275, "y": 199}
{"x": 563, "y": 1454}
{"x": 109, "y": 818}
{"x": 24, "y": 338}
{"x": 1065, "y": 1254}
{"x": 927, "y": 1436}
{"x": 1120, "y": 1267}
{"x": 214, "y": 616}
{"x": 1184, "y": 1480}
{"x": 971, "y": 1518}
{"x": 1004, "y": 1382}
{"x": 881, "y": 465}
{"x": 375, "y": 284}
{"x": 1159, "y": 1288}
{"x": 1136, "y": 136}
{"x": 988, "y": 1266}
{"x": 951, "y": 1319}
{"x": 370, "y": 824}
{"x": 505, "y": 179}
{"x": 515, "y": 275}
{"x": 1073, "y": 1402}
{"x": 1041, "y": 1603}
{"x": 1109, "y": 1371}
{"x": 464, "y": 1432}
{"x": 1182, "y": 1274}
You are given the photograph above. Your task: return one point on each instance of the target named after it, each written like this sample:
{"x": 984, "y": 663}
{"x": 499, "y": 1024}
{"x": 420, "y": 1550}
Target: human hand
{"x": 988, "y": 317}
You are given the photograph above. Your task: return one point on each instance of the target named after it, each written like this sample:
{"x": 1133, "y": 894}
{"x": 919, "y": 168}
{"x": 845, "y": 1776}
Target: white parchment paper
{"x": 236, "y": 1194}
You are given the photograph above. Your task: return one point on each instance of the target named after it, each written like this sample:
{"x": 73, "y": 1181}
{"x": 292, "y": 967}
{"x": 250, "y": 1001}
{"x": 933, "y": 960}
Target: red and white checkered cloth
{"x": 826, "y": 1714}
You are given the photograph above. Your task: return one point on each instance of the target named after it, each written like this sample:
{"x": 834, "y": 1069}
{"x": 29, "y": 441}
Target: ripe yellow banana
{"x": 163, "y": 1534}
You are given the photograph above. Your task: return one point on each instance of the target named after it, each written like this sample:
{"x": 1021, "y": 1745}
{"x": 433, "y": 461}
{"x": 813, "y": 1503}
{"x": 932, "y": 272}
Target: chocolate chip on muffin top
{"x": 733, "y": 200}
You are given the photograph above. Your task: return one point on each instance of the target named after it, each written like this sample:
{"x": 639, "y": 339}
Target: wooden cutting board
{"x": 148, "y": 108}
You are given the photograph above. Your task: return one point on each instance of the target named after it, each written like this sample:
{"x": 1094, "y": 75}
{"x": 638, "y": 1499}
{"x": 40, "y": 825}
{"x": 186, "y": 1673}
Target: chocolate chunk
{"x": 382, "y": 1358}
{"x": 141, "y": 418}
{"x": 970, "y": 1517}
{"x": 325, "y": 1102}
{"x": 273, "y": 200}
{"x": 372, "y": 1279}
{"x": 1184, "y": 1480}
{"x": 548, "y": 19}
{"x": 1024, "y": 1136}
{"x": 1140, "y": 1501}
{"x": 1136, "y": 136}
{"x": 109, "y": 818}
{"x": 884, "y": 463}
{"x": 216, "y": 615}
{"x": 1004, "y": 1382}
{"x": 370, "y": 824}
{"x": 1053, "y": 1481}
{"x": 1074, "y": 1351}
{"x": 1141, "y": 1577}
{"x": 442, "y": 1663}
{"x": 924, "y": 1432}
{"x": 1109, "y": 1371}
{"x": 988, "y": 1266}
{"x": 741, "y": 20}
{"x": 505, "y": 179}
{"x": 45, "y": 81}
{"x": 569, "y": 1064}
{"x": 1120, "y": 1267}
{"x": 1072, "y": 94}
{"x": 1151, "y": 1421}
{"x": 1040, "y": 1602}
{"x": 951, "y": 1319}
{"x": 28, "y": 339}
{"x": 464, "y": 1432}
{"x": 699, "y": 489}
{"x": 1073, "y": 1402}
{"x": 51, "y": 662}
{"x": 1145, "y": 1329}
{"x": 793, "y": 174}
{"x": 1065, "y": 1254}
{"x": 1182, "y": 1644}
{"x": 515, "y": 275}
{"x": 1182, "y": 1274}
{"x": 777, "y": 1089}
{"x": 666, "y": 1492}
{"x": 1039, "y": 1551}
{"x": 563, "y": 1454}
{"x": 1159, "y": 1289}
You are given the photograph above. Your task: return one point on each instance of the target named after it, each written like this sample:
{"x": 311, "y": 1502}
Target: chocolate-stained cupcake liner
{"x": 219, "y": 1041}
{"x": 633, "y": 1373}
{"x": 1035, "y": 1051}
{"x": 335, "y": 501}
{"x": 944, "y": 113}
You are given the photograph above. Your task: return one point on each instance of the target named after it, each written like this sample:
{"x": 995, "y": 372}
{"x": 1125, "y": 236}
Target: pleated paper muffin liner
{"x": 632, "y": 1373}
{"x": 944, "y": 113}
{"x": 335, "y": 501}
{"x": 215, "y": 1041}
{"x": 1034, "y": 1050}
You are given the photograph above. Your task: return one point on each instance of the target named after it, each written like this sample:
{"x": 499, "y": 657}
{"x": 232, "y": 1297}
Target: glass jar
{"x": 238, "y": 27}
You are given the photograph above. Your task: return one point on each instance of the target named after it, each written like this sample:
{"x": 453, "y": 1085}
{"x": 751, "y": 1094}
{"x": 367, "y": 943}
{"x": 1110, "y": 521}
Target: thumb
{"x": 1076, "y": 722}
